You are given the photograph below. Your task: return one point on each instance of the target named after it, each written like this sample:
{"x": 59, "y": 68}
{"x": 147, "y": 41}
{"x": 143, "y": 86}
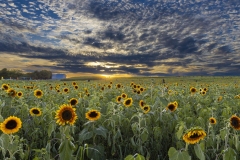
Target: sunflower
{"x": 118, "y": 99}
{"x": 19, "y": 94}
{"x": 74, "y": 83}
{"x": 109, "y": 86}
{"x": 11, "y": 125}
{"x": 205, "y": 89}
{"x": 118, "y": 85}
{"x": 73, "y": 101}
{"x": 66, "y": 115}
{"x": 65, "y": 90}
{"x": 146, "y": 109}
{"x": 11, "y": 92}
{"x": 5, "y": 87}
{"x": 212, "y": 120}
{"x": 124, "y": 95}
{"x": 193, "y": 90}
{"x": 128, "y": 102}
{"x": 194, "y": 135}
{"x": 76, "y": 87}
{"x": 172, "y": 106}
{"x": 35, "y": 112}
{"x": 169, "y": 92}
{"x": 220, "y": 98}
{"x": 142, "y": 103}
{"x": 203, "y": 92}
{"x": 38, "y": 93}
{"x": 80, "y": 95}
{"x": 93, "y": 115}
{"x": 138, "y": 91}
{"x": 175, "y": 103}
{"x": 237, "y": 97}
{"x": 235, "y": 122}
{"x": 27, "y": 87}
{"x": 131, "y": 84}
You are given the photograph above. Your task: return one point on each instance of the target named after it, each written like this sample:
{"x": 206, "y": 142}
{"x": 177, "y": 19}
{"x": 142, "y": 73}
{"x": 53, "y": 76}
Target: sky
{"x": 121, "y": 37}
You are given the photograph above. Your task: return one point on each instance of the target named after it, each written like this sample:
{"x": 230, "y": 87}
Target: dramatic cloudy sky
{"x": 129, "y": 37}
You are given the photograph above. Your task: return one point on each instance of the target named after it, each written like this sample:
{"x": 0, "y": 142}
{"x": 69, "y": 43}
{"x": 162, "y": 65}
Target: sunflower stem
{"x": 226, "y": 138}
{"x": 209, "y": 126}
{"x": 186, "y": 147}
{"x": 11, "y": 138}
{"x": 93, "y": 128}
{"x": 151, "y": 89}
{"x": 139, "y": 133}
{"x": 10, "y": 151}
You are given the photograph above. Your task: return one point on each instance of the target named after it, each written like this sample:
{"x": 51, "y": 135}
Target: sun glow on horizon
{"x": 79, "y": 74}
{"x": 116, "y": 75}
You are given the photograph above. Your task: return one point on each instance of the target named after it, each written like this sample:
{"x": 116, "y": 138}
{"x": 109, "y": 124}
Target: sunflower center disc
{"x": 93, "y": 114}
{"x": 11, "y": 124}
{"x": 171, "y": 107}
{"x": 234, "y": 122}
{"x": 73, "y": 102}
{"x": 194, "y": 135}
{"x": 128, "y": 102}
{"x": 67, "y": 115}
{"x": 35, "y": 111}
{"x": 39, "y": 93}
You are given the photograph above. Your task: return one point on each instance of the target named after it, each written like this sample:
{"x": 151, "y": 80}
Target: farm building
{"x": 58, "y": 76}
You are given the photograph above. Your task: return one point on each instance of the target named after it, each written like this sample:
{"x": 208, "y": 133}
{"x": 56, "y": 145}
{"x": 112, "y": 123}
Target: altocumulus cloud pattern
{"x": 137, "y": 37}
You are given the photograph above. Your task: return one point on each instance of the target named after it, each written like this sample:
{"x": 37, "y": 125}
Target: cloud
{"x": 17, "y": 26}
{"x": 163, "y": 37}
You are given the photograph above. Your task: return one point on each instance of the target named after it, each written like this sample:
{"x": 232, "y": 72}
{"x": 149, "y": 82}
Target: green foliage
{"x": 66, "y": 149}
{"x": 229, "y": 154}
{"x": 18, "y": 74}
{"x": 178, "y": 155}
{"x": 122, "y": 131}
{"x": 199, "y": 152}
{"x": 134, "y": 157}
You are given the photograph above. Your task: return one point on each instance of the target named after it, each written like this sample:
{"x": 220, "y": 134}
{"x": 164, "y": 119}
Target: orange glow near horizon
{"x": 70, "y": 75}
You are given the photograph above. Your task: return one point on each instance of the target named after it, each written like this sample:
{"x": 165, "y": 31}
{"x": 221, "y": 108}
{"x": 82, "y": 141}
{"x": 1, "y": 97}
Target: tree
{"x": 44, "y": 74}
{"x": 4, "y": 73}
{"x": 14, "y": 74}
{"x": 35, "y": 75}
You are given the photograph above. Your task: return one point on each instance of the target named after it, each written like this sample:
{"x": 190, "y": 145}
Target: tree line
{"x": 18, "y": 74}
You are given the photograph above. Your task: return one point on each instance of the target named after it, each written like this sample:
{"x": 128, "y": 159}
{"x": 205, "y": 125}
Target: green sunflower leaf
{"x": 66, "y": 150}
{"x": 178, "y": 155}
{"x": 229, "y": 154}
{"x": 144, "y": 135}
{"x": 101, "y": 131}
{"x": 199, "y": 152}
{"x": 51, "y": 128}
{"x": 180, "y": 132}
{"x": 134, "y": 157}
{"x": 85, "y": 134}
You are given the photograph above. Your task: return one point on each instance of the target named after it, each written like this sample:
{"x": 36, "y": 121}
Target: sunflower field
{"x": 178, "y": 118}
